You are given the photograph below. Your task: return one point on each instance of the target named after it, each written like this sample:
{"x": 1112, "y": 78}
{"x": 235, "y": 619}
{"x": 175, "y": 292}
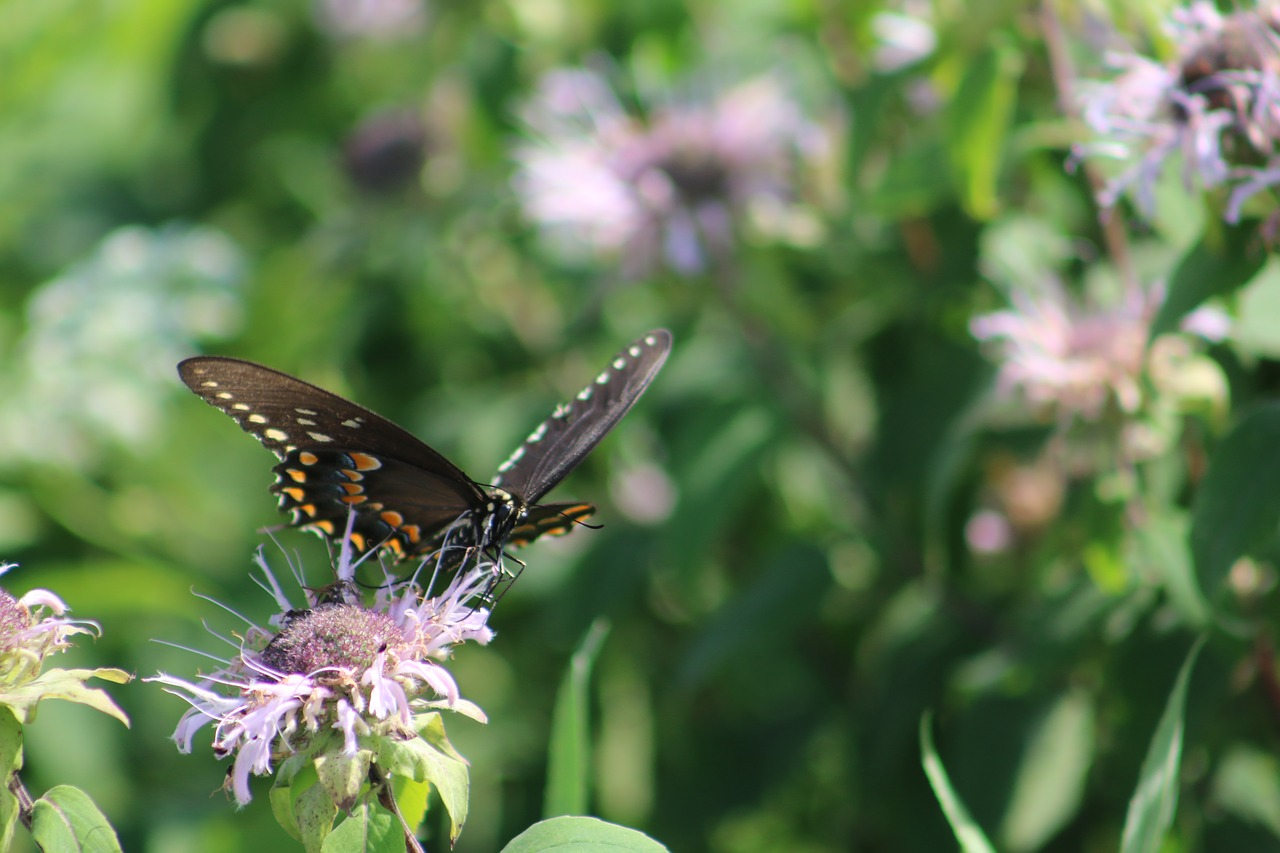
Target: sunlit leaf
{"x": 66, "y": 820}
{"x": 967, "y": 832}
{"x": 581, "y": 835}
{"x": 1155, "y": 800}
{"x": 569, "y": 753}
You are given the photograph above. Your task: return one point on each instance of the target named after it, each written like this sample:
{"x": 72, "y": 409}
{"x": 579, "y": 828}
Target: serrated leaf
{"x": 1224, "y": 260}
{"x": 369, "y": 829}
{"x": 966, "y": 830}
{"x": 411, "y": 798}
{"x": 581, "y": 835}
{"x": 423, "y": 761}
{"x": 66, "y": 820}
{"x": 1238, "y": 503}
{"x": 1155, "y": 800}
{"x": 569, "y": 751}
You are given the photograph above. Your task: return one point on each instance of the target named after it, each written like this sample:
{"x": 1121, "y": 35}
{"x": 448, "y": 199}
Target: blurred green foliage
{"x": 790, "y": 557}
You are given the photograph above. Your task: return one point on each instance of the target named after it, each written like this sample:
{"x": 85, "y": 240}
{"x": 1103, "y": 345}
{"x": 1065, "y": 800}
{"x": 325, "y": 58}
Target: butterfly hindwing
{"x": 561, "y": 441}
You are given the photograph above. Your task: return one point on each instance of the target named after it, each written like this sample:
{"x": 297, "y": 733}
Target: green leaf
{"x": 10, "y": 763}
{"x": 967, "y": 832}
{"x": 369, "y": 829}
{"x": 581, "y": 835}
{"x": 411, "y": 798}
{"x": 1224, "y": 260}
{"x": 1247, "y": 784}
{"x": 343, "y": 775}
{"x": 65, "y": 819}
{"x": 1162, "y": 543}
{"x": 978, "y": 125}
{"x": 1155, "y": 800}
{"x": 1051, "y": 777}
{"x": 1238, "y": 502}
{"x": 569, "y": 753}
{"x": 431, "y": 758}
{"x": 314, "y": 814}
{"x": 65, "y": 684}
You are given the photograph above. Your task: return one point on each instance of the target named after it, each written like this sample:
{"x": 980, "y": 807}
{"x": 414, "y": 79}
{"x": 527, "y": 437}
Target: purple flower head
{"x": 336, "y": 679}
{"x": 1216, "y": 104}
{"x": 32, "y": 628}
{"x": 1075, "y": 359}
{"x": 670, "y": 189}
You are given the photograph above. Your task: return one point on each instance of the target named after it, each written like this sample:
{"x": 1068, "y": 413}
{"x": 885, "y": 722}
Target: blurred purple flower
{"x": 385, "y": 20}
{"x": 670, "y": 189}
{"x": 1077, "y": 359}
{"x": 1217, "y": 104}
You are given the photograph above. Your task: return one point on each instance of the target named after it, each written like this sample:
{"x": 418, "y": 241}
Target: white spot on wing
{"x": 306, "y": 422}
{"x": 603, "y": 378}
{"x": 303, "y": 411}
{"x": 224, "y": 395}
{"x": 319, "y": 436}
{"x": 619, "y": 363}
{"x": 352, "y": 423}
{"x": 635, "y": 352}
{"x": 240, "y": 407}
{"x": 257, "y": 419}
{"x": 585, "y": 393}
{"x": 276, "y": 434}
{"x": 650, "y": 340}
{"x": 537, "y": 434}
{"x": 208, "y": 384}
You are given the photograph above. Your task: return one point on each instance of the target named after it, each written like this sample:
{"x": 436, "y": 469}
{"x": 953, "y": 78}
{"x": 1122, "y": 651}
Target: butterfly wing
{"x": 549, "y": 520}
{"x": 336, "y": 455}
{"x": 557, "y": 446}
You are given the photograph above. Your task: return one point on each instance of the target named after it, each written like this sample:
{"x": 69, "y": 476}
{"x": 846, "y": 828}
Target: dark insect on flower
{"x": 386, "y": 153}
{"x": 337, "y": 456}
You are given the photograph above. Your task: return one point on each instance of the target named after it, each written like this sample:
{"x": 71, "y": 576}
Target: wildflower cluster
{"x": 32, "y": 628}
{"x": 350, "y": 690}
{"x": 1216, "y": 103}
{"x": 670, "y": 190}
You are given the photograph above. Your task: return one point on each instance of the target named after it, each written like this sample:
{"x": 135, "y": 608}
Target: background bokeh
{"x": 837, "y": 508}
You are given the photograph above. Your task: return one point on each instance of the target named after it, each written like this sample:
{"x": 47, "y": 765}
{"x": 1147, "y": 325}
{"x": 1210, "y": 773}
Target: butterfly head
{"x": 502, "y": 512}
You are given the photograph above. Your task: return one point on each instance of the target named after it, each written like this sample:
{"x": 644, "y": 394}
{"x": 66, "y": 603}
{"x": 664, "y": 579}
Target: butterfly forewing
{"x": 557, "y": 446}
{"x": 336, "y": 455}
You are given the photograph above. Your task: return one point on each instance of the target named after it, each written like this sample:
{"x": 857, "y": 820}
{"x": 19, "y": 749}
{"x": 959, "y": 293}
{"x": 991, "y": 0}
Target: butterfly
{"x": 336, "y": 457}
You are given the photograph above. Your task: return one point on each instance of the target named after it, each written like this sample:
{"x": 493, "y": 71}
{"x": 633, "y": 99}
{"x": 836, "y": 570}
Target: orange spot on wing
{"x": 365, "y": 462}
{"x": 308, "y": 458}
{"x": 354, "y": 499}
{"x": 309, "y": 509}
{"x": 394, "y": 544}
{"x": 353, "y": 488}
{"x": 352, "y": 475}
{"x": 296, "y": 493}
{"x": 413, "y": 531}
{"x": 393, "y": 518}
{"x": 358, "y": 540}
{"x": 296, "y": 475}
{"x": 325, "y": 526}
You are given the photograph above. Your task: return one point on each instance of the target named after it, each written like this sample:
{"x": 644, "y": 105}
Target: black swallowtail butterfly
{"x": 335, "y": 456}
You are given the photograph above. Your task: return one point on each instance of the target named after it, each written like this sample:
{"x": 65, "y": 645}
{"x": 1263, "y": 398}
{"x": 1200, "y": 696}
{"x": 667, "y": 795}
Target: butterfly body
{"x": 336, "y": 456}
